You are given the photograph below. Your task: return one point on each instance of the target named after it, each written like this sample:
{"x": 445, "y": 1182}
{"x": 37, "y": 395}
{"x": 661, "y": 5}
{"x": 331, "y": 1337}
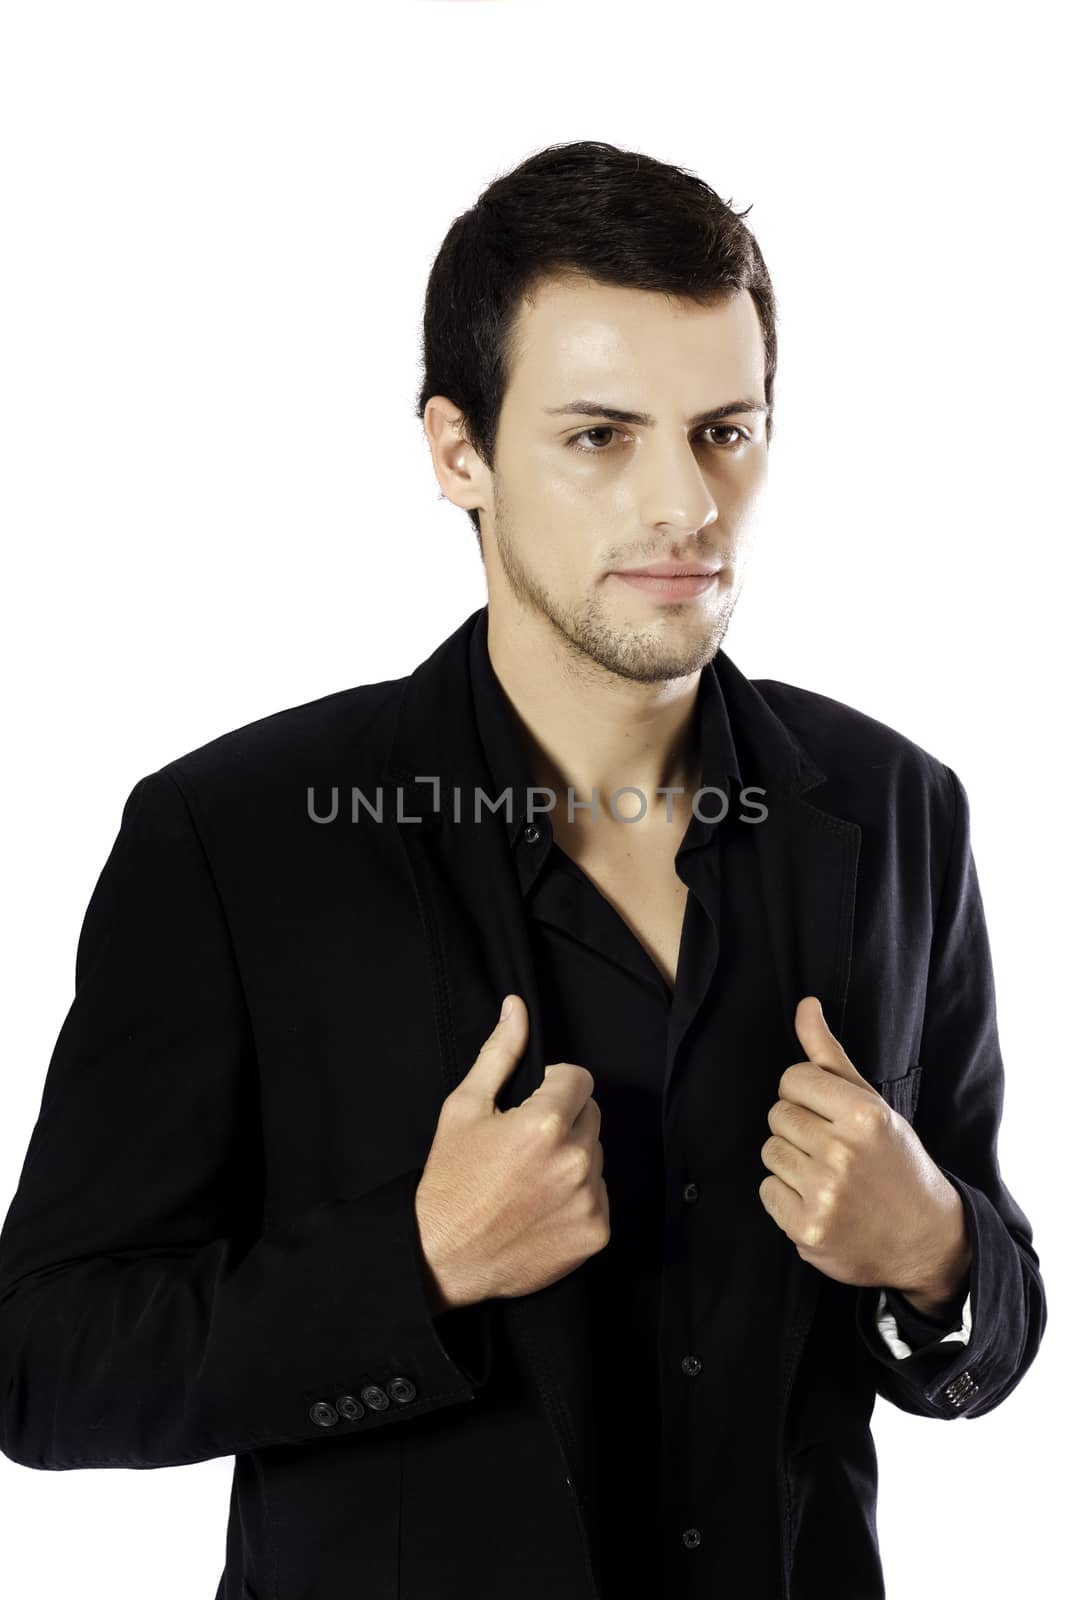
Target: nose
{"x": 676, "y": 495}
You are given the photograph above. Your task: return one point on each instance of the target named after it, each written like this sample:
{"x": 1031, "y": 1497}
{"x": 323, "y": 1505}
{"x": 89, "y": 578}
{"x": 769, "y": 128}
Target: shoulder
{"x": 858, "y": 752}
{"x": 342, "y": 736}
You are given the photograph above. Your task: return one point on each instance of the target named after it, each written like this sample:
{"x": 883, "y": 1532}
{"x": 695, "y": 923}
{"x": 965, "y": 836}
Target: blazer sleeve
{"x": 958, "y": 1118}
{"x": 147, "y": 1318}
{"x": 904, "y": 1329}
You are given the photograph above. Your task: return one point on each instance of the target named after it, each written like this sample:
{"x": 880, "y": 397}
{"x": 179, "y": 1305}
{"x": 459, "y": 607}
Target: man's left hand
{"x": 851, "y": 1183}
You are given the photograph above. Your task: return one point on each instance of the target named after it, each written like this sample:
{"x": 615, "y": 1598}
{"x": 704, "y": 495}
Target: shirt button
{"x": 691, "y": 1538}
{"x": 690, "y": 1193}
{"x": 691, "y": 1365}
{"x": 531, "y": 833}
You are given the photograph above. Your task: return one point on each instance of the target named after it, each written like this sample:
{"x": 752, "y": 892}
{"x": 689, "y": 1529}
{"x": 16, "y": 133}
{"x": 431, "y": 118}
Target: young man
{"x": 596, "y": 1298}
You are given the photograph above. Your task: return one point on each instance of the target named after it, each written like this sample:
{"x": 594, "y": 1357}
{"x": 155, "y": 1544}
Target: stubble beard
{"x": 588, "y": 633}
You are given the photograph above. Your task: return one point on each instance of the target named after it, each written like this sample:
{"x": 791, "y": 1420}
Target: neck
{"x": 586, "y": 728}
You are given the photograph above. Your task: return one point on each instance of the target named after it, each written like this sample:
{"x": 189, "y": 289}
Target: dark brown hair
{"x": 614, "y": 216}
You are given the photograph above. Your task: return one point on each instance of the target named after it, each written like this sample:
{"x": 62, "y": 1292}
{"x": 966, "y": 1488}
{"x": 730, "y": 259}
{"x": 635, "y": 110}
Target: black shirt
{"x": 687, "y": 1296}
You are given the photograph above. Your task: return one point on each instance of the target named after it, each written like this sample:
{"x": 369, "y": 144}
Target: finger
{"x": 799, "y": 1124}
{"x": 587, "y": 1123}
{"x": 787, "y": 1162}
{"x": 499, "y": 1055}
{"x": 783, "y": 1205}
{"x": 819, "y": 1044}
{"x": 565, "y": 1088}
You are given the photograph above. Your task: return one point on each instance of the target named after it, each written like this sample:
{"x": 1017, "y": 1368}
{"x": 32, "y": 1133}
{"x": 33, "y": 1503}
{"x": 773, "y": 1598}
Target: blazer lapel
{"x": 808, "y": 861}
{"x": 474, "y": 921}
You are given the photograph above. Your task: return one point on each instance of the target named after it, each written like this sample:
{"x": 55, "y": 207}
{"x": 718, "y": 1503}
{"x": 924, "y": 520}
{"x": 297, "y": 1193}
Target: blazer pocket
{"x": 902, "y": 1092}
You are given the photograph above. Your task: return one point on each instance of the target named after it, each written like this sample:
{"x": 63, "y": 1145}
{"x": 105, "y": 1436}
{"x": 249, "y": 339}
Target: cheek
{"x": 568, "y": 510}
{"x": 565, "y": 486}
{"x": 750, "y": 483}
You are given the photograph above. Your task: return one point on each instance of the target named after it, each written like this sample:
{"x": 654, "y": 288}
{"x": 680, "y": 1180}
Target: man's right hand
{"x": 510, "y": 1201}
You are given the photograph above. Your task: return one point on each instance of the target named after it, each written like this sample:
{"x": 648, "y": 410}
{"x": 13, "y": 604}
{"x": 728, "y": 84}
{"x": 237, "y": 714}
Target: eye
{"x": 594, "y": 450}
{"x": 730, "y": 427}
{"x": 584, "y": 449}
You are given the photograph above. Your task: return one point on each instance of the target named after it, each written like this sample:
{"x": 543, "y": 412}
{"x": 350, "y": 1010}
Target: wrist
{"x": 445, "y": 1290}
{"x": 939, "y": 1290}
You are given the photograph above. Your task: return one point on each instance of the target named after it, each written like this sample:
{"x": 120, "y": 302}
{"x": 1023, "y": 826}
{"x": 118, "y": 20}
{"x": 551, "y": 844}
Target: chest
{"x": 637, "y": 877}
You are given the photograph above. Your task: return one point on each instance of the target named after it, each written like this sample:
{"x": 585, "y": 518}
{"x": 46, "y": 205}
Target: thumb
{"x": 497, "y": 1059}
{"x": 818, "y": 1042}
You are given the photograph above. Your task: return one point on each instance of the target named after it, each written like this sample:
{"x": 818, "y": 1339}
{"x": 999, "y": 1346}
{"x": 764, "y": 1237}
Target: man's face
{"x": 574, "y": 497}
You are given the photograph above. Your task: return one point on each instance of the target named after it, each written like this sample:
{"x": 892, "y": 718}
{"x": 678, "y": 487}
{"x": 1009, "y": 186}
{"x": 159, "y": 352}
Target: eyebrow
{"x": 594, "y": 408}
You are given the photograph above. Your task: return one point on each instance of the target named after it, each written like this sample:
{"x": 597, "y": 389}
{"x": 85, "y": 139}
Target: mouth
{"x": 670, "y": 582}
{"x": 672, "y": 569}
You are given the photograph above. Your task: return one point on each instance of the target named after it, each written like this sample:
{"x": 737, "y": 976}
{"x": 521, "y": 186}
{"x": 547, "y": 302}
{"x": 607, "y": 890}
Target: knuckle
{"x": 841, "y": 1157}
{"x": 600, "y": 1230}
{"x": 576, "y": 1164}
{"x": 871, "y": 1116}
{"x": 549, "y": 1124}
{"x": 449, "y": 1106}
{"x": 787, "y": 1080}
{"x": 812, "y": 1235}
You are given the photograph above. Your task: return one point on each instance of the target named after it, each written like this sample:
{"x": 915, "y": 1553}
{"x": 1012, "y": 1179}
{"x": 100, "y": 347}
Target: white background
{"x": 217, "y": 501}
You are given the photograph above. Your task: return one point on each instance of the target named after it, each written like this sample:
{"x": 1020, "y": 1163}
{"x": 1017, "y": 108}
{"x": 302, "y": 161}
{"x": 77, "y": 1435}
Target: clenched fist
{"x": 510, "y": 1201}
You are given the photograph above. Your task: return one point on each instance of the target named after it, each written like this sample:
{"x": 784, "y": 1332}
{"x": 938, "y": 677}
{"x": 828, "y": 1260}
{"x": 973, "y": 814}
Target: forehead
{"x": 574, "y": 335}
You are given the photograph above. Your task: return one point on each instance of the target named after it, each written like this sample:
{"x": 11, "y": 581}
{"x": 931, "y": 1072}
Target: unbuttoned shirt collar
{"x": 506, "y": 760}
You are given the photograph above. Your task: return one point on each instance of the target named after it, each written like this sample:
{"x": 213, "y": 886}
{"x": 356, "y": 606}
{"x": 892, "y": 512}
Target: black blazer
{"x": 212, "y": 1249}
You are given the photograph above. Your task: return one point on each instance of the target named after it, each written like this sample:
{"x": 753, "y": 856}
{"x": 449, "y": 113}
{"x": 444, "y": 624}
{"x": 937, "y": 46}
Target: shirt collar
{"x": 500, "y": 735}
